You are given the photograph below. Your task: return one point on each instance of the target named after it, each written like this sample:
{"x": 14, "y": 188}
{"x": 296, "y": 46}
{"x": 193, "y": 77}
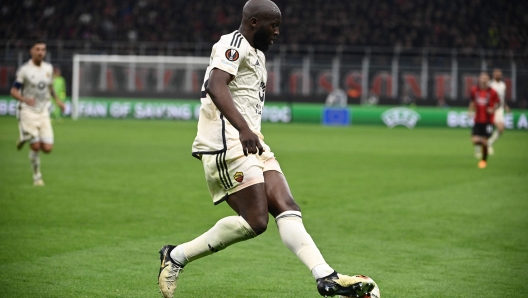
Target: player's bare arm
{"x": 56, "y": 98}
{"x": 471, "y": 108}
{"x": 15, "y": 93}
{"x": 221, "y": 96}
{"x": 491, "y": 110}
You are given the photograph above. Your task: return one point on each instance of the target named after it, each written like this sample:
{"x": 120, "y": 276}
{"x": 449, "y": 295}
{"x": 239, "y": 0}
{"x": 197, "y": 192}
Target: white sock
{"x": 35, "y": 164}
{"x": 478, "y": 149}
{"x": 225, "y": 232}
{"x": 295, "y": 237}
{"x": 494, "y": 137}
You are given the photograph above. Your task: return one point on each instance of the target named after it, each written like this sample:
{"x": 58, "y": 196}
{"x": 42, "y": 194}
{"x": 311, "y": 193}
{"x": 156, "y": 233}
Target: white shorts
{"x": 230, "y": 171}
{"x": 499, "y": 116}
{"x": 35, "y": 127}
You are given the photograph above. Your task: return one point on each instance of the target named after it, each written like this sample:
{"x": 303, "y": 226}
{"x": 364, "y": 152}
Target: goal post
{"x": 132, "y": 76}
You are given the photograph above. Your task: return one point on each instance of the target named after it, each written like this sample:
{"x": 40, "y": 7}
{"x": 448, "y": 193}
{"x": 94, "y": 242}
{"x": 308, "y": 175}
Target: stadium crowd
{"x": 409, "y": 23}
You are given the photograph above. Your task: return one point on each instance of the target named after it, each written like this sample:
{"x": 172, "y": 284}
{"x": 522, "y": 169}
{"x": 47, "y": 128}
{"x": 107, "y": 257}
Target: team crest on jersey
{"x": 41, "y": 85}
{"x": 232, "y": 55}
{"x": 239, "y": 177}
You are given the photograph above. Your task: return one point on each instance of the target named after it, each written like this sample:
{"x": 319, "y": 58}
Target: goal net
{"x": 106, "y": 78}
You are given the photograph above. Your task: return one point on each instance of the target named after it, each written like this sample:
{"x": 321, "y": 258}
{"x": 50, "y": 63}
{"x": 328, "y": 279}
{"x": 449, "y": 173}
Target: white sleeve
{"x": 20, "y": 75}
{"x": 228, "y": 57}
{"x": 50, "y": 69}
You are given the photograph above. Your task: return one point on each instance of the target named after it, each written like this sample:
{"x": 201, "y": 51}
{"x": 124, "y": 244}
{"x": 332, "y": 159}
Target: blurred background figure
{"x": 33, "y": 88}
{"x": 59, "y": 85}
{"x": 337, "y": 97}
{"x": 484, "y": 101}
{"x": 500, "y": 87}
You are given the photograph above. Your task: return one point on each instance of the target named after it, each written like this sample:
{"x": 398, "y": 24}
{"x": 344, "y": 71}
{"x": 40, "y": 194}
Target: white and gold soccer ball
{"x": 375, "y": 293}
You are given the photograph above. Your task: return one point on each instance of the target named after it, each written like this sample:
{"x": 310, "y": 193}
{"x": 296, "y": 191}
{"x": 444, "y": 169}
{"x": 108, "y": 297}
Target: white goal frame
{"x": 187, "y": 62}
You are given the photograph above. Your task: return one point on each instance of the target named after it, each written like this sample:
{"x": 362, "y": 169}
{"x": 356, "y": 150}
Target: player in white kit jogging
{"x": 32, "y": 88}
{"x": 500, "y": 87}
{"x": 240, "y": 168}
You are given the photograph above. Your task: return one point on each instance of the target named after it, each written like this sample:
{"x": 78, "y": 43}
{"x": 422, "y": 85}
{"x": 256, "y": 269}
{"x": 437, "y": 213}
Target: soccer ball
{"x": 375, "y": 293}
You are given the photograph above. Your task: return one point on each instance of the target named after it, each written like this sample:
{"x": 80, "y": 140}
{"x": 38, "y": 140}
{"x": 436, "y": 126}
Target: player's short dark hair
{"x": 38, "y": 41}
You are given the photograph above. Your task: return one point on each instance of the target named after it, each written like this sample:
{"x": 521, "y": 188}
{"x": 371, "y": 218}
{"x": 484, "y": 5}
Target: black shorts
{"x": 482, "y": 130}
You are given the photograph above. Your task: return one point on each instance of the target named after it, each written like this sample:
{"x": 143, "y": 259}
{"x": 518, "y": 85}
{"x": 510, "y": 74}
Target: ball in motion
{"x": 375, "y": 292}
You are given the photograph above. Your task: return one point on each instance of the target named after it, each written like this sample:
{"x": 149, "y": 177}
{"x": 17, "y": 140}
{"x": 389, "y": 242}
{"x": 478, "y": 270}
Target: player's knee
{"x": 259, "y": 225}
{"x": 46, "y": 148}
{"x": 260, "y": 229}
{"x": 35, "y": 146}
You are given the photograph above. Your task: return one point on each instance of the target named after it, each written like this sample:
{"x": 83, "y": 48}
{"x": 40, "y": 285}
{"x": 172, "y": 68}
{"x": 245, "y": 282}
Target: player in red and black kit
{"x": 484, "y": 101}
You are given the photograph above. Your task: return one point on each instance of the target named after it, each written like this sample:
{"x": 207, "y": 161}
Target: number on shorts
{"x": 489, "y": 128}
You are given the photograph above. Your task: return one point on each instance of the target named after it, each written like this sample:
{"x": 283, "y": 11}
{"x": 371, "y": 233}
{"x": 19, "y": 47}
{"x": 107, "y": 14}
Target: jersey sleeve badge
{"x": 232, "y": 55}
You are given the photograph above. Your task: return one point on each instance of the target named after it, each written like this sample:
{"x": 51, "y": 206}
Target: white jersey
{"x": 500, "y": 88}
{"x": 34, "y": 83}
{"x": 337, "y": 97}
{"x": 234, "y": 55}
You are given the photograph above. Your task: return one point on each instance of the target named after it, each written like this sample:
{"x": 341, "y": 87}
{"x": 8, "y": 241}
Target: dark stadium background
{"x": 479, "y": 35}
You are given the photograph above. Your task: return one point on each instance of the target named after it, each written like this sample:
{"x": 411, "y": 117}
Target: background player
{"x": 59, "y": 86}
{"x": 484, "y": 101}
{"x": 500, "y": 87}
{"x": 228, "y": 141}
{"x": 32, "y": 88}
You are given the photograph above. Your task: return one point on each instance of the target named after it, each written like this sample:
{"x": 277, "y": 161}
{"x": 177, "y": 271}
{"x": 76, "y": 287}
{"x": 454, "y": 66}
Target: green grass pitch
{"x": 409, "y": 208}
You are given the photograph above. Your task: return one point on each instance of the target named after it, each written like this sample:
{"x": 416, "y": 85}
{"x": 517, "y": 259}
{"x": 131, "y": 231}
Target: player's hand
{"x": 30, "y": 101}
{"x": 507, "y": 108}
{"x": 250, "y": 142}
{"x": 490, "y": 110}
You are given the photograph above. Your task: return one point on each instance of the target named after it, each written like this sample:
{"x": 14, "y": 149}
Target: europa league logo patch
{"x": 239, "y": 177}
{"x": 232, "y": 55}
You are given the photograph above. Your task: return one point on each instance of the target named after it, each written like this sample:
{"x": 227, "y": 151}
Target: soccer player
{"x": 240, "y": 169}
{"x": 484, "y": 101}
{"x": 500, "y": 87}
{"x": 32, "y": 88}
{"x": 59, "y": 85}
